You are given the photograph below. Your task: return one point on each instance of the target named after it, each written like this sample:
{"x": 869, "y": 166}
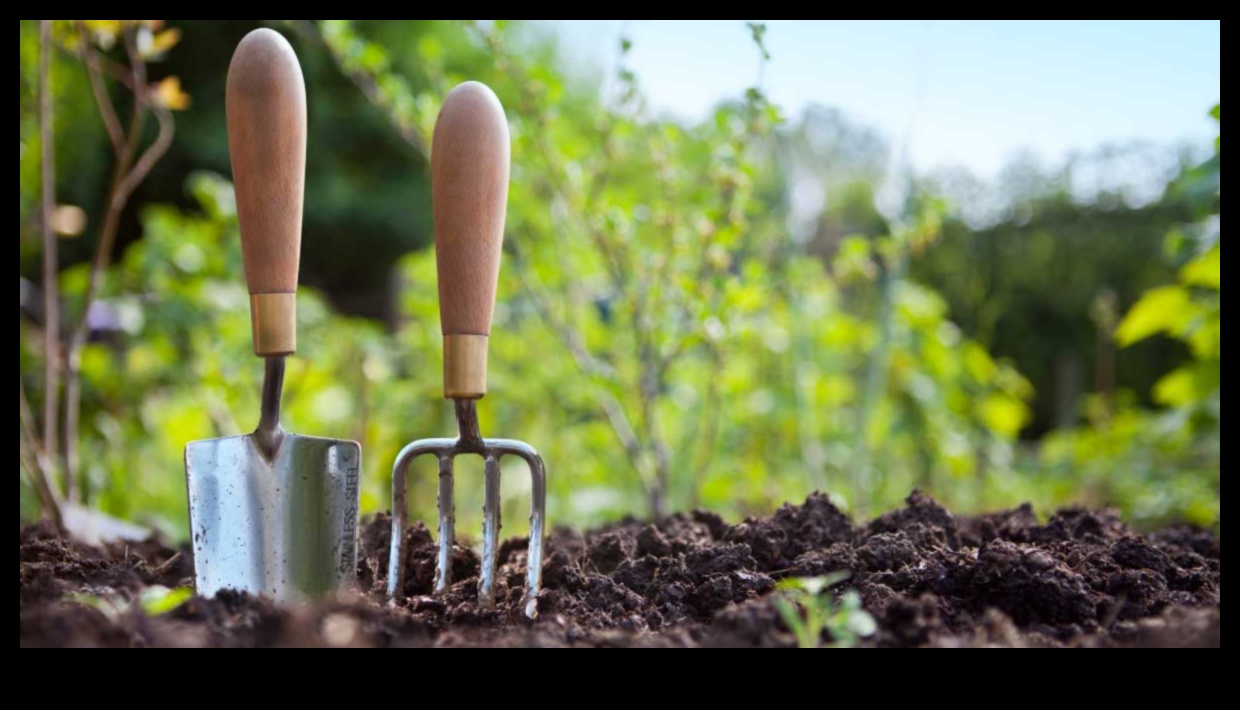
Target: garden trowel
{"x": 271, "y": 514}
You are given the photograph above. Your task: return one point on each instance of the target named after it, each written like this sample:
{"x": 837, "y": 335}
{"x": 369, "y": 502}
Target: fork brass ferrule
{"x": 274, "y": 320}
{"x": 465, "y": 366}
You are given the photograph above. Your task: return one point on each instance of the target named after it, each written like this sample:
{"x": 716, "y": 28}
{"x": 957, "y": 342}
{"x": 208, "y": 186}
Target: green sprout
{"x": 152, "y": 602}
{"x": 809, "y": 610}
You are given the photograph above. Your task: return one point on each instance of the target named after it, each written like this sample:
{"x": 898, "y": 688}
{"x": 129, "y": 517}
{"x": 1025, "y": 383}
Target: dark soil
{"x": 930, "y": 579}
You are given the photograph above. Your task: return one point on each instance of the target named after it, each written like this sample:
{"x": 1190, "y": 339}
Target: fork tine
{"x": 400, "y": 506}
{"x": 400, "y": 513}
{"x": 491, "y": 526}
{"x": 538, "y": 514}
{"x": 538, "y": 533}
{"x": 447, "y": 522}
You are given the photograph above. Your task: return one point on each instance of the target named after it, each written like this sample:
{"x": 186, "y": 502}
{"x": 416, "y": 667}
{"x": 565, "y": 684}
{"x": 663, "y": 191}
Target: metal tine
{"x": 538, "y": 514}
{"x": 447, "y": 523}
{"x": 492, "y": 524}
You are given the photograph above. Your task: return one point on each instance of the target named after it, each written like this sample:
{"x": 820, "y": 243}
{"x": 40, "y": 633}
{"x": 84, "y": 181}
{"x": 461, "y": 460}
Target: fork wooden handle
{"x": 470, "y": 162}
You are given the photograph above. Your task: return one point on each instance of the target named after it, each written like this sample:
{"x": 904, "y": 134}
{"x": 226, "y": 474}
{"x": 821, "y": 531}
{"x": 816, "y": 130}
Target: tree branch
{"x": 142, "y": 170}
{"x": 34, "y": 460}
{"x": 125, "y": 179}
{"x": 51, "y": 255}
{"x": 365, "y": 82}
{"x": 107, "y": 109}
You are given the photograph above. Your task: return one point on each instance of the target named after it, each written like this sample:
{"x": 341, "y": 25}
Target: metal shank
{"x": 470, "y": 442}
{"x": 270, "y": 434}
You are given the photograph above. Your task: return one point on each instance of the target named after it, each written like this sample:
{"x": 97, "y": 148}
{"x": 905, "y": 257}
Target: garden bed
{"x": 929, "y": 578}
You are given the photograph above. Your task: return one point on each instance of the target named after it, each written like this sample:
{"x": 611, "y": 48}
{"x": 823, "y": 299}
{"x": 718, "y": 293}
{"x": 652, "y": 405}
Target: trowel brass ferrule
{"x": 274, "y": 319}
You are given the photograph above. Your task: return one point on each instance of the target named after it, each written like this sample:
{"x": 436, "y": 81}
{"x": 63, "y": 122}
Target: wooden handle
{"x": 267, "y": 141}
{"x": 470, "y": 161}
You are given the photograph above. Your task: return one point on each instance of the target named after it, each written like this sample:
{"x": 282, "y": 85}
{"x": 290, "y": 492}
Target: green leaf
{"x": 158, "y": 601}
{"x": 854, "y": 262}
{"x": 1217, "y": 113}
{"x": 1004, "y": 415}
{"x": 758, "y": 30}
{"x": 814, "y": 586}
{"x": 1189, "y": 385}
{"x": 1206, "y": 270}
{"x": 1159, "y": 311}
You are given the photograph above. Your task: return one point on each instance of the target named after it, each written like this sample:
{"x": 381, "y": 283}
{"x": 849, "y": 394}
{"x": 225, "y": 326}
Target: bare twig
{"x": 51, "y": 256}
{"x": 34, "y": 460}
{"x": 627, "y": 436}
{"x": 142, "y": 170}
{"x": 167, "y": 565}
{"x": 29, "y": 431}
{"x": 107, "y": 109}
{"x": 112, "y": 70}
{"x": 572, "y": 340}
{"x": 137, "y": 67}
{"x": 129, "y": 173}
{"x": 366, "y": 82}
{"x": 648, "y": 452}
{"x": 46, "y": 501}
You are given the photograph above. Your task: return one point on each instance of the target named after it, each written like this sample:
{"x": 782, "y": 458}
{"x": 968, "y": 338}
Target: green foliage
{"x": 1190, "y": 311}
{"x": 1047, "y": 264}
{"x": 812, "y": 613}
{"x": 1171, "y": 460}
{"x": 667, "y": 335}
{"x": 160, "y": 601}
{"x": 759, "y": 30}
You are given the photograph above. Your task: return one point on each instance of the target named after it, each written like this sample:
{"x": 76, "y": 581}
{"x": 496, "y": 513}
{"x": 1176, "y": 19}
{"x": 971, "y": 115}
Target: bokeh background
{"x": 745, "y": 261}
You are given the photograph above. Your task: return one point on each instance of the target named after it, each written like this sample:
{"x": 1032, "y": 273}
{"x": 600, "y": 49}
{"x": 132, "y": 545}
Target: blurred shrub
{"x": 660, "y": 336}
{"x": 1163, "y": 466}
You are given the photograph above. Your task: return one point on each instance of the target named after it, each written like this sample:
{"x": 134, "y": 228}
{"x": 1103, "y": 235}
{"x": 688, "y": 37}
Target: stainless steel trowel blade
{"x": 283, "y": 529}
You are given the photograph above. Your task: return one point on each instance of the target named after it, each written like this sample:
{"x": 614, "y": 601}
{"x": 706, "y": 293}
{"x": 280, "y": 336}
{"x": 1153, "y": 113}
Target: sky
{"x": 953, "y": 93}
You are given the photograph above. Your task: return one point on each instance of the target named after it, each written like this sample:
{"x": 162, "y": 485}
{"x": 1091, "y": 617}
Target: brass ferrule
{"x": 274, "y": 318}
{"x": 465, "y": 366}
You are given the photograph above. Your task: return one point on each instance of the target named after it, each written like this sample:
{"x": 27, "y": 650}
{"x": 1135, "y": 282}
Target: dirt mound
{"x": 929, "y": 578}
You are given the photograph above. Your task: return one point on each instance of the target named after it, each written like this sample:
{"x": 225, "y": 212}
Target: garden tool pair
{"x": 275, "y": 514}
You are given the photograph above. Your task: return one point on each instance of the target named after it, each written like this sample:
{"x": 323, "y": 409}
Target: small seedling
{"x": 809, "y": 610}
{"x": 153, "y": 602}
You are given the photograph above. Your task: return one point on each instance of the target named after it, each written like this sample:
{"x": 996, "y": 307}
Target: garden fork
{"x": 469, "y": 172}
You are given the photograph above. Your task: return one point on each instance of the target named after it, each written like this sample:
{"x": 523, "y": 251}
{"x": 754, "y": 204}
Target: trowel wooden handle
{"x": 470, "y": 161}
{"x": 267, "y": 141}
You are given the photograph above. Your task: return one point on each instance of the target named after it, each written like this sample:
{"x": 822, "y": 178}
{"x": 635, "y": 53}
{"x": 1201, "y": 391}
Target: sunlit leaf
{"x": 154, "y": 45}
{"x": 1162, "y": 310}
{"x": 1217, "y": 113}
{"x": 1206, "y": 270}
{"x": 158, "y": 601}
{"x": 758, "y": 31}
{"x": 1189, "y": 385}
{"x": 1004, "y": 415}
{"x": 854, "y": 262}
{"x": 105, "y": 32}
